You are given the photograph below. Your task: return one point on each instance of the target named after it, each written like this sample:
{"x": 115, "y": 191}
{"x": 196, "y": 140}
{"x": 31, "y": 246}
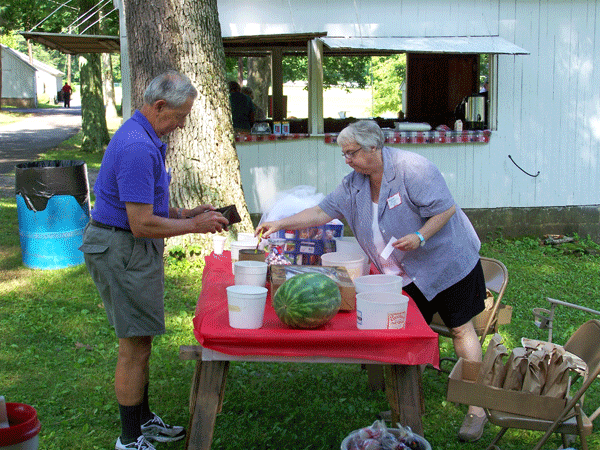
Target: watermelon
{"x": 307, "y": 300}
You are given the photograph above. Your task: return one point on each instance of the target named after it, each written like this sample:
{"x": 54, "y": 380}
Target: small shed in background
{"x": 23, "y": 82}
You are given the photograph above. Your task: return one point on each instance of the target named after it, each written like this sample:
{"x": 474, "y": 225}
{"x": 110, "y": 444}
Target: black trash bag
{"x": 38, "y": 181}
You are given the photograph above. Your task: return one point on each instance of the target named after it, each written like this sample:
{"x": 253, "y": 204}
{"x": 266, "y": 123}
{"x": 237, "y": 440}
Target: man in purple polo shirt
{"x": 123, "y": 247}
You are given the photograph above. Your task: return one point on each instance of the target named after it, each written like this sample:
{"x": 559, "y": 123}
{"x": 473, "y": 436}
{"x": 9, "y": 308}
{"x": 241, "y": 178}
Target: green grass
{"x": 57, "y": 353}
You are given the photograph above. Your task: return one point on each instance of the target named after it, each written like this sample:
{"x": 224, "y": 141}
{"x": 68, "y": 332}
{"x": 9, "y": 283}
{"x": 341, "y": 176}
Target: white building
{"x": 538, "y": 171}
{"x": 23, "y": 82}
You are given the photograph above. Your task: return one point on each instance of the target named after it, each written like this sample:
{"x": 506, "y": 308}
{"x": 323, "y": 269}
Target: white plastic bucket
{"x": 236, "y": 246}
{"x": 253, "y": 273}
{"x": 378, "y": 283}
{"x": 349, "y": 245}
{"x": 381, "y": 310}
{"x": 246, "y": 237}
{"x": 246, "y": 305}
{"x": 24, "y": 428}
{"x": 354, "y": 264}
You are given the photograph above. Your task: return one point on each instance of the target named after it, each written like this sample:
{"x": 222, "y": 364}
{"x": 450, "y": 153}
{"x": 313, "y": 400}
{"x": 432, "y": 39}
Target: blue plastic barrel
{"x": 53, "y": 210}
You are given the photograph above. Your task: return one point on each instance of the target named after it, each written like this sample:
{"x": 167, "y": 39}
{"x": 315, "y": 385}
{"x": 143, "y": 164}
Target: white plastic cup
{"x": 246, "y": 305}
{"x": 236, "y": 246}
{"x": 253, "y": 273}
{"x": 219, "y": 244}
{"x": 381, "y": 310}
{"x": 378, "y": 283}
{"x": 353, "y": 263}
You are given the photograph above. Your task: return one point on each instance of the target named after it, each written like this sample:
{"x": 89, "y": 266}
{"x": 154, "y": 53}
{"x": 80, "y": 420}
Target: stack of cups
{"x": 380, "y": 303}
{"x": 246, "y": 300}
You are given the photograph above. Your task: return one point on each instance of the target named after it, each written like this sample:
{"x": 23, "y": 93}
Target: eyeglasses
{"x": 351, "y": 154}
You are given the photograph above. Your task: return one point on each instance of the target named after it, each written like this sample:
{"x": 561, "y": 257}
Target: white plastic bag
{"x": 290, "y": 202}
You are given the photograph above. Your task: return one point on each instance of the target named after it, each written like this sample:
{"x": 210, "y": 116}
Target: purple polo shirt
{"x": 132, "y": 170}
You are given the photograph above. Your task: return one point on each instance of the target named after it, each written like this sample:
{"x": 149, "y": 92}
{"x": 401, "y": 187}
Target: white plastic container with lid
{"x": 354, "y": 263}
{"x": 378, "y": 283}
{"x": 236, "y": 246}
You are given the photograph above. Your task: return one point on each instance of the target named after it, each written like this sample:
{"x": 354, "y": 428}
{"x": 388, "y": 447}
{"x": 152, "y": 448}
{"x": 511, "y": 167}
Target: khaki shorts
{"x": 129, "y": 275}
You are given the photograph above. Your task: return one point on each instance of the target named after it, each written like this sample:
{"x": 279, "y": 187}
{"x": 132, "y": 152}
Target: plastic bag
{"x": 290, "y": 202}
{"x": 378, "y": 437}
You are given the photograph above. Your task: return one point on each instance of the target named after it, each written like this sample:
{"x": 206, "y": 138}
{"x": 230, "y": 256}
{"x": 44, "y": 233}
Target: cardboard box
{"x": 463, "y": 389}
{"x": 279, "y": 274}
{"x": 479, "y": 321}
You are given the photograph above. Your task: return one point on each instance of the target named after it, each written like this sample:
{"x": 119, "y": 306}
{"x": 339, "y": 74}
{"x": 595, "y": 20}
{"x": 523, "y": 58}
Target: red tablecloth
{"x": 340, "y": 338}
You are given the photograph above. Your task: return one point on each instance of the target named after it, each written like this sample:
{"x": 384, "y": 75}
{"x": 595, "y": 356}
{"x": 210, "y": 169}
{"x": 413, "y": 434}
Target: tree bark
{"x": 93, "y": 119}
{"x": 186, "y": 36}
{"x": 259, "y": 80}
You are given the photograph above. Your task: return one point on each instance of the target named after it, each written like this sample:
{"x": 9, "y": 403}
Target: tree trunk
{"x": 93, "y": 120}
{"x": 186, "y": 36}
{"x": 259, "y": 80}
{"x": 110, "y": 101}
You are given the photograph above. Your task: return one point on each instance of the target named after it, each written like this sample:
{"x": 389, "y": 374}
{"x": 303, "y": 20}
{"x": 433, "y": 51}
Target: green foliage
{"x": 388, "y": 73}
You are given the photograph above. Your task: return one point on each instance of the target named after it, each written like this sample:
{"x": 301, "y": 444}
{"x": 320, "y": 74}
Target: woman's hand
{"x": 267, "y": 228}
{"x": 408, "y": 243}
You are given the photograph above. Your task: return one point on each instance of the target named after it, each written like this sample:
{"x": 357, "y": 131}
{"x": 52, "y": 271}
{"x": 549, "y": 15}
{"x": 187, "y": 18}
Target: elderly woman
{"x": 400, "y": 197}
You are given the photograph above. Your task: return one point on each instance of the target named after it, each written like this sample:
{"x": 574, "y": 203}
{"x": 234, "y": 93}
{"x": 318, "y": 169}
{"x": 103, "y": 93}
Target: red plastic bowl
{"x": 24, "y": 424}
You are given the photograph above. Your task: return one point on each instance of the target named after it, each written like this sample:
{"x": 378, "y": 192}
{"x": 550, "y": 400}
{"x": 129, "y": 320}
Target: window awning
{"x": 76, "y": 43}
{"x": 449, "y": 44}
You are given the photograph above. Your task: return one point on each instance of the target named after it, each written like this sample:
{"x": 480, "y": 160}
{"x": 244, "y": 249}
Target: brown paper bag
{"x": 516, "y": 367}
{"x": 535, "y": 376}
{"x": 492, "y": 371}
{"x": 557, "y": 377}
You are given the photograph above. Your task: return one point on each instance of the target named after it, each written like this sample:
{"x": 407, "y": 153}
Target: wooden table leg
{"x": 210, "y": 384}
{"x": 404, "y": 393}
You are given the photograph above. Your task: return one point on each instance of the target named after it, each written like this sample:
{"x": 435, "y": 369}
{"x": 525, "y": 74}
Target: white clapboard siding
{"x": 548, "y": 101}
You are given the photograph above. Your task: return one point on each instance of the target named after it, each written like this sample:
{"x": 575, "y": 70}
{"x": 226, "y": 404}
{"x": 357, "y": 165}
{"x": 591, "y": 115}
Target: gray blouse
{"x": 412, "y": 190}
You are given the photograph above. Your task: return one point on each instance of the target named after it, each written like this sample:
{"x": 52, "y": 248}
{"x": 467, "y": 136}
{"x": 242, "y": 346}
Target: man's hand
{"x": 209, "y": 221}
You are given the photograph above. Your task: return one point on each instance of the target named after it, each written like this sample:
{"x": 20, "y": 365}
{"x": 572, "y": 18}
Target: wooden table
{"x": 400, "y": 351}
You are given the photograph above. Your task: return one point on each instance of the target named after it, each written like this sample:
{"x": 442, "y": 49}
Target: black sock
{"x": 146, "y": 414}
{"x": 130, "y": 423}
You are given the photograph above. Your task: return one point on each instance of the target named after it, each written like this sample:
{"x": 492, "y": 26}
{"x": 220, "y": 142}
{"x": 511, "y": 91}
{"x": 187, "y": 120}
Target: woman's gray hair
{"x": 365, "y": 133}
{"x": 172, "y": 87}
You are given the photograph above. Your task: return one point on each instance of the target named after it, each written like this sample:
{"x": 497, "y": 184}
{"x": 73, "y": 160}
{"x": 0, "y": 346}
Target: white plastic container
{"x": 246, "y": 305}
{"x": 381, "y": 310}
{"x": 23, "y": 430}
{"x": 354, "y": 263}
{"x": 246, "y": 237}
{"x": 253, "y": 273}
{"x": 378, "y": 283}
{"x": 236, "y": 246}
{"x": 349, "y": 244}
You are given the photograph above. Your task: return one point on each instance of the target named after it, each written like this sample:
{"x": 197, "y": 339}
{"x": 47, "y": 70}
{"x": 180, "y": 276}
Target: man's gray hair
{"x": 172, "y": 87}
{"x": 365, "y": 133}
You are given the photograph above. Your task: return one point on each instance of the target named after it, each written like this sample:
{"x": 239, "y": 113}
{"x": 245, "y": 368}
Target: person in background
{"x": 259, "y": 113}
{"x": 242, "y": 108}
{"x": 66, "y": 92}
{"x": 396, "y": 196}
{"x": 123, "y": 247}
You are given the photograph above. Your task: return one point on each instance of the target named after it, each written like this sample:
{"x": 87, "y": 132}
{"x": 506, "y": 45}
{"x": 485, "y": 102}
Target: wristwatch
{"x": 421, "y": 238}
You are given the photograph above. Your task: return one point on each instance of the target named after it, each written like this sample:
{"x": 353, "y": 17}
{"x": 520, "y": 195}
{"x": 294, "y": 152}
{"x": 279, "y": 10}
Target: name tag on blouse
{"x": 394, "y": 201}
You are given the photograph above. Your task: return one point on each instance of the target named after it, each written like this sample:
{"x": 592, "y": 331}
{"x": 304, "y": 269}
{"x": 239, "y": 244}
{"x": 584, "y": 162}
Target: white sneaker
{"x": 140, "y": 444}
{"x": 157, "y": 430}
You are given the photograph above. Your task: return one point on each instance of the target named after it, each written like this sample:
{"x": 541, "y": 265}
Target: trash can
{"x": 24, "y": 428}
{"x": 53, "y": 208}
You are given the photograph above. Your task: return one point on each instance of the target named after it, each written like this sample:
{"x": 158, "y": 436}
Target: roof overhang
{"x": 449, "y": 44}
{"x": 261, "y": 45}
{"x": 76, "y": 43}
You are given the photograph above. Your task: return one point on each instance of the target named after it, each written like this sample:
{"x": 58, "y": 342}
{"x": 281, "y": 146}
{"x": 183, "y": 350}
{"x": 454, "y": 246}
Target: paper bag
{"x": 492, "y": 371}
{"x": 535, "y": 376}
{"x": 516, "y": 367}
